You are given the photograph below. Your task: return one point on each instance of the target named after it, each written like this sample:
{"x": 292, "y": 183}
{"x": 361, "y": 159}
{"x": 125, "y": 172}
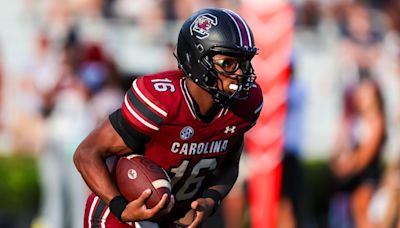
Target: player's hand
{"x": 202, "y": 208}
{"x": 167, "y": 209}
{"x": 137, "y": 210}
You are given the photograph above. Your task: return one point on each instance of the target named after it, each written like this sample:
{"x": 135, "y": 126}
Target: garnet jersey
{"x": 158, "y": 118}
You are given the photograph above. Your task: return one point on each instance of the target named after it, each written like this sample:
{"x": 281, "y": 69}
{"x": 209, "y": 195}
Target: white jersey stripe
{"x": 140, "y": 119}
{"x": 226, "y": 111}
{"x": 147, "y": 101}
{"x": 96, "y": 198}
{"x": 104, "y": 218}
{"x": 188, "y": 100}
{"x": 221, "y": 112}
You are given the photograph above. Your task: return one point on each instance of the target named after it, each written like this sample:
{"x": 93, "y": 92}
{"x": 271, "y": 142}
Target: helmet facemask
{"x": 217, "y": 69}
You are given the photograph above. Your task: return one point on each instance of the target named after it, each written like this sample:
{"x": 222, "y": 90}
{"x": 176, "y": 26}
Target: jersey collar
{"x": 193, "y": 106}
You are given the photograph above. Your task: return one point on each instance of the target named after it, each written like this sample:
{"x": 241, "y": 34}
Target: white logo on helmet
{"x": 186, "y": 133}
{"x": 202, "y": 25}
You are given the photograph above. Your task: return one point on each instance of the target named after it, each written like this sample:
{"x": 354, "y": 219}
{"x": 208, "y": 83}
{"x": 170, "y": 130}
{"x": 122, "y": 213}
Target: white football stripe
{"x": 148, "y": 102}
{"x": 161, "y": 183}
{"x": 96, "y": 198}
{"x": 147, "y": 124}
{"x": 133, "y": 155}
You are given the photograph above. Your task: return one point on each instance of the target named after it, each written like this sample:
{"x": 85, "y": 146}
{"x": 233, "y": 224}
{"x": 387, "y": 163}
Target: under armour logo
{"x": 230, "y": 129}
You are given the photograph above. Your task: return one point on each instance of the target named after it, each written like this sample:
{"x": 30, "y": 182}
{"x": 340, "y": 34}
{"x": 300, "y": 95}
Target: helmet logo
{"x": 202, "y": 25}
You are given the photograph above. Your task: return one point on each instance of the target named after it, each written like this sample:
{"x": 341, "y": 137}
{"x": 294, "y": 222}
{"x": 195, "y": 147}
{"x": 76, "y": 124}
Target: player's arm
{"x": 222, "y": 182}
{"x": 225, "y": 176}
{"x": 89, "y": 158}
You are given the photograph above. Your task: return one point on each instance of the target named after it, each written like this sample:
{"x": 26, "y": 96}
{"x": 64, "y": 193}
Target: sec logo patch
{"x": 186, "y": 133}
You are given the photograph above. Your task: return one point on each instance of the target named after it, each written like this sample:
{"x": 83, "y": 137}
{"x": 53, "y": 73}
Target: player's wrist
{"x": 214, "y": 195}
{"x": 117, "y": 205}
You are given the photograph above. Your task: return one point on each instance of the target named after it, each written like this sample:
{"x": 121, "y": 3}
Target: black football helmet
{"x": 214, "y": 31}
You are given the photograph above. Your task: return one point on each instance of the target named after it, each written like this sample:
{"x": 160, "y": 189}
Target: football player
{"x": 190, "y": 121}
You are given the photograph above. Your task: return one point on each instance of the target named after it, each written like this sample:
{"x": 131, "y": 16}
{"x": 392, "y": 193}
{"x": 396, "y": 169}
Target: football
{"x": 135, "y": 173}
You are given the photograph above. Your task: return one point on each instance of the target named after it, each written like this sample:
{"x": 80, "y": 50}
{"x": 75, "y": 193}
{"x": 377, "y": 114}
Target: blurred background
{"x": 65, "y": 65}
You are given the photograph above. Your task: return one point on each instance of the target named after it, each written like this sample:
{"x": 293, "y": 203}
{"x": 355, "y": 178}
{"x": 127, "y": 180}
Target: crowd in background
{"x": 343, "y": 98}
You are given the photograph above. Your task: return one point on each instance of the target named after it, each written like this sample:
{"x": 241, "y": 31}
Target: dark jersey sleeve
{"x": 140, "y": 115}
{"x": 132, "y": 137}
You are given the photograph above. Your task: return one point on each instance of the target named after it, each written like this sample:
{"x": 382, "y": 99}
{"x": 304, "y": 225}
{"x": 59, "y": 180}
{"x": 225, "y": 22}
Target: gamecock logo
{"x": 202, "y": 25}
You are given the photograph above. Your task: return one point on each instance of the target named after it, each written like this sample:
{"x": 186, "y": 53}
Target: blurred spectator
{"x": 356, "y": 162}
{"x": 107, "y": 11}
{"x": 291, "y": 206}
{"x": 87, "y": 90}
{"x": 67, "y": 120}
{"x": 3, "y": 130}
{"x": 391, "y": 9}
{"x": 384, "y": 210}
{"x": 388, "y": 77}
{"x": 149, "y": 16}
{"x": 308, "y": 14}
{"x": 39, "y": 76}
{"x": 360, "y": 46}
{"x": 1, "y": 91}
{"x": 183, "y": 9}
{"x": 100, "y": 76}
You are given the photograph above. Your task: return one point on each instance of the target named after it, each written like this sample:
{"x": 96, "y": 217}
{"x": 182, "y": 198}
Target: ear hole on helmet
{"x": 200, "y": 47}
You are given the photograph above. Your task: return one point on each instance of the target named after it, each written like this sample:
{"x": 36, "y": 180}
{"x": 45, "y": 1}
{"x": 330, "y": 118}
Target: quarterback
{"x": 191, "y": 121}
